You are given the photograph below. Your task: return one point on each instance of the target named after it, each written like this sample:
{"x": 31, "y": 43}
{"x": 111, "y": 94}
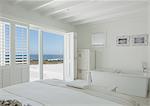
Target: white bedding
{"x": 43, "y": 94}
{"x": 4, "y": 95}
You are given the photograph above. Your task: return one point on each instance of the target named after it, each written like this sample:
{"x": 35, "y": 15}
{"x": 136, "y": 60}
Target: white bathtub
{"x": 127, "y": 74}
{"x": 135, "y": 84}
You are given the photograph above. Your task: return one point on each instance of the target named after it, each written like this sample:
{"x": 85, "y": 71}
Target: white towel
{"x": 81, "y": 84}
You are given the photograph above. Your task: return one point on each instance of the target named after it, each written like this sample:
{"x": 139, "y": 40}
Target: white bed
{"x": 52, "y": 93}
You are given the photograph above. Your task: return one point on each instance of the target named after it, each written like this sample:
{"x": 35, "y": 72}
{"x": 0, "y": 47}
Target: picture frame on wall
{"x": 123, "y": 40}
{"x": 140, "y": 40}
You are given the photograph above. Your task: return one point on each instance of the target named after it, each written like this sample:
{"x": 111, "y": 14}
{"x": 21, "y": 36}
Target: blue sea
{"x": 47, "y": 57}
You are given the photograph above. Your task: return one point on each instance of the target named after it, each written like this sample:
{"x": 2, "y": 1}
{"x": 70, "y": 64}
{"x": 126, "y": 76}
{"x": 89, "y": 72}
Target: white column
{"x": 41, "y": 54}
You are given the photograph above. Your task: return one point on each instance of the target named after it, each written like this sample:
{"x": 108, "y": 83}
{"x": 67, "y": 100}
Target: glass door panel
{"x": 34, "y": 57}
{"x": 53, "y": 51}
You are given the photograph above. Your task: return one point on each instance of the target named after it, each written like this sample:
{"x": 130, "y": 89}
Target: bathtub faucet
{"x": 117, "y": 71}
{"x": 144, "y": 66}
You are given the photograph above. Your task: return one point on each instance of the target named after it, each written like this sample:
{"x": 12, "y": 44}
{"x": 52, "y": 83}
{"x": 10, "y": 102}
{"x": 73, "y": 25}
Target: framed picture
{"x": 140, "y": 40}
{"x": 123, "y": 40}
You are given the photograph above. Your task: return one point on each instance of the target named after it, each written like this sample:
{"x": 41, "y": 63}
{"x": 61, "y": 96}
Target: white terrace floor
{"x": 51, "y": 71}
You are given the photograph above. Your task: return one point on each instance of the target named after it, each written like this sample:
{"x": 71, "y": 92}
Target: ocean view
{"x": 46, "y": 57}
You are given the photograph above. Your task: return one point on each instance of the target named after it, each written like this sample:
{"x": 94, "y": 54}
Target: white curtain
{"x": 70, "y": 56}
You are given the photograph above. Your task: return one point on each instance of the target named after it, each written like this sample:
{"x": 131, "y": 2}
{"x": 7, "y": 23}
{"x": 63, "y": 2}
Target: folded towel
{"x": 81, "y": 84}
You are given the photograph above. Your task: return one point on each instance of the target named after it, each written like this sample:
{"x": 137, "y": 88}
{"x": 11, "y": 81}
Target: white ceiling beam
{"x": 96, "y": 9}
{"x": 17, "y": 1}
{"x": 65, "y": 8}
{"x": 107, "y": 11}
{"x": 109, "y": 16}
{"x": 44, "y": 5}
{"x": 84, "y": 6}
{"x": 65, "y": 16}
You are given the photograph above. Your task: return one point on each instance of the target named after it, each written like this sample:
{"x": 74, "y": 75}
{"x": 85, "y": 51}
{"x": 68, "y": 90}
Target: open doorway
{"x": 52, "y": 55}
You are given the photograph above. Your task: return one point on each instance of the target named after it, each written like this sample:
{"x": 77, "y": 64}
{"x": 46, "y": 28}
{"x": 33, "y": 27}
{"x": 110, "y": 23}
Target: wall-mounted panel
{"x": 16, "y": 74}
{"x": 25, "y": 73}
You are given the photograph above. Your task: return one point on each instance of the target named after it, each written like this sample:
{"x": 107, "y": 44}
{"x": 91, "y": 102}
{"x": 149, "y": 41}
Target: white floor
{"x": 51, "y": 71}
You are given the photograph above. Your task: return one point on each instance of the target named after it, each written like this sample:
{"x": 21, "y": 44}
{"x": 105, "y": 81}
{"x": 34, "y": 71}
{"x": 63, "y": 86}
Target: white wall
{"x": 28, "y": 16}
{"x": 149, "y": 39}
{"x": 149, "y": 32}
{"x": 122, "y": 58}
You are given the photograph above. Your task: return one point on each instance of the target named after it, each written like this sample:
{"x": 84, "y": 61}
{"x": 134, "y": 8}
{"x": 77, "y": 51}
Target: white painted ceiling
{"x": 79, "y": 12}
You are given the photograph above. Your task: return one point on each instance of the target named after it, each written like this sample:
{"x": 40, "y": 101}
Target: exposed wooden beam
{"x": 65, "y": 16}
{"x": 44, "y": 5}
{"x": 106, "y": 11}
{"x": 96, "y": 9}
{"x": 17, "y": 1}
{"x": 66, "y": 7}
{"x": 119, "y": 14}
{"x": 84, "y": 6}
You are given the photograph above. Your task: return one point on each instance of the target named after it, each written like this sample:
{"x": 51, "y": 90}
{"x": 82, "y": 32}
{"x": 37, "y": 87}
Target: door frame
{"x": 40, "y": 45}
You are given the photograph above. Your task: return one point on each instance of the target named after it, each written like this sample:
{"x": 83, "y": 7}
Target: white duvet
{"x": 6, "y": 96}
{"x": 42, "y": 94}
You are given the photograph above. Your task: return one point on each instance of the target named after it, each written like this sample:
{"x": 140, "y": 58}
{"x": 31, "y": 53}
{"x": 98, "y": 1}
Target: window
{"x": 4, "y": 43}
{"x": 21, "y": 44}
{"x": 99, "y": 39}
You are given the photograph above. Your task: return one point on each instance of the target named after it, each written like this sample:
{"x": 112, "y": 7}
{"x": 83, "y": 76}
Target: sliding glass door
{"x": 52, "y": 56}
{"x": 53, "y": 51}
{"x": 34, "y": 57}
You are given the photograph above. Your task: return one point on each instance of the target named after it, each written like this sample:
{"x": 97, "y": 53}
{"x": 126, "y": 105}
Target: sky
{"x": 52, "y": 43}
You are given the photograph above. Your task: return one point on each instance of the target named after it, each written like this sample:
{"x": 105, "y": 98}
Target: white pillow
{"x": 81, "y": 84}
